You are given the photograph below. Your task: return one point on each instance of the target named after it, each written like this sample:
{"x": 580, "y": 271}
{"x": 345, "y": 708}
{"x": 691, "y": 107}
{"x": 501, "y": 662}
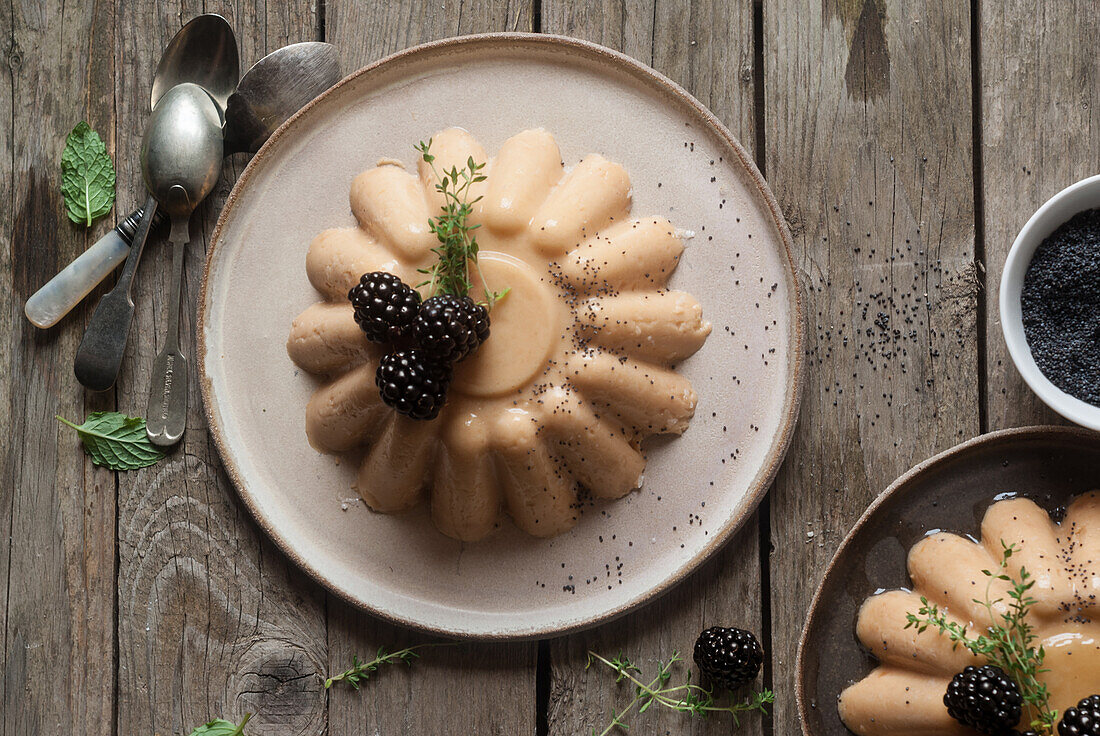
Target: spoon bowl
{"x": 203, "y": 52}
{"x": 181, "y": 152}
{"x": 276, "y": 87}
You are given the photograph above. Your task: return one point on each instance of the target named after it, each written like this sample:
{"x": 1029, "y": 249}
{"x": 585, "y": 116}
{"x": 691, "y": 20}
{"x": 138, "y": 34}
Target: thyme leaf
{"x": 687, "y": 698}
{"x": 1008, "y": 643}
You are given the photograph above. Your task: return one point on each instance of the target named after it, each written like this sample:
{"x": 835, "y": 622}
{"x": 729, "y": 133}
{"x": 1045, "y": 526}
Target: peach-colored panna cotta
{"x": 904, "y": 694}
{"x": 577, "y": 370}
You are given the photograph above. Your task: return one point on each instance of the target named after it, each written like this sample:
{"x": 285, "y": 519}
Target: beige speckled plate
{"x": 698, "y": 489}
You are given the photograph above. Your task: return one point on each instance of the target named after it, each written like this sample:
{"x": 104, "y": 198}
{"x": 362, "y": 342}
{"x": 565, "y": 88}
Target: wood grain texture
{"x": 1040, "y": 76}
{"x": 708, "y": 48}
{"x": 58, "y": 512}
{"x": 868, "y": 133}
{"x": 365, "y": 32}
{"x": 213, "y": 622}
{"x": 476, "y": 689}
{"x": 9, "y": 448}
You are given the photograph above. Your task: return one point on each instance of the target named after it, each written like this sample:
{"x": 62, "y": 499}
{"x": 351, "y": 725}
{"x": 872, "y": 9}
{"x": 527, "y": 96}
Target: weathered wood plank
{"x": 8, "y": 317}
{"x": 1040, "y": 74}
{"x": 213, "y": 622}
{"x": 58, "y": 516}
{"x": 708, "y": 48}
{"x": 624, "y": 26}
{"x": 366, "y": 32}
{"x": 482, "y": 689}
{"x": 868, "y": 138}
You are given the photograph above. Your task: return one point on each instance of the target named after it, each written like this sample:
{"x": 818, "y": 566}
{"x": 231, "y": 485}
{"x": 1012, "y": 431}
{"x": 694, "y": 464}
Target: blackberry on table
{"x": 385, "y": 306}
{"x": 413, "y": 384}
{"x": 728, "y": 657}
{"x": 1082, "y": 719}
{"x": 985, "y": 699}
{"x": 449, "y": 327}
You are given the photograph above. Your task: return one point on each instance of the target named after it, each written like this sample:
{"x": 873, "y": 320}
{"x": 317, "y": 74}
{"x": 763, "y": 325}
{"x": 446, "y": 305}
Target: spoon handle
{"x": 166, "y": 413}
{"x": 99, "y": 357}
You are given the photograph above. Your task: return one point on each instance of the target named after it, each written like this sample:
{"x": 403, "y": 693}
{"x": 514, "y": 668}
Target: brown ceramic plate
{"x": 698, "y": 488}
{"x": 951, "y": 491}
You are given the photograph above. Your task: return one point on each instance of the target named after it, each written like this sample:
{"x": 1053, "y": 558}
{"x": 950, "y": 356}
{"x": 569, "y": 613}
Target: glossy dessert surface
{"x": 904, "y": 694}
{"x": 949, "y": 492}
{"x": 576, "y": 372}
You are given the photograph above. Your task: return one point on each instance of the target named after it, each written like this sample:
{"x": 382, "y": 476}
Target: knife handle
{"x": 64, "y": 291}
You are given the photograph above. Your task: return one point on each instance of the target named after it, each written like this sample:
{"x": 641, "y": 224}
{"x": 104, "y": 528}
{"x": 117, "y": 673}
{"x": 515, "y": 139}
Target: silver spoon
{"x": 181, "y": 158}
{"x": 275, "y": 88}
{"x": 99, "y": 357}
{"x": 203, "y": 52}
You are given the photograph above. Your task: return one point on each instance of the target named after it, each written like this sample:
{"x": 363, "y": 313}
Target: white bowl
{"x": 1081, "y": 196}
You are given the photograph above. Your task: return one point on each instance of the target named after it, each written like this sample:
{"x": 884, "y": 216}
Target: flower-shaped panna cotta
{"x": 575, "y": 373}
{"x": 904, "y": 694}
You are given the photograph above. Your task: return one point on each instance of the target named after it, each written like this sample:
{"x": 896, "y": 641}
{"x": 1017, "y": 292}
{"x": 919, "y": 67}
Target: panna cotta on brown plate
{"x": 904, "y": 694}
{"x": 579, "y": 365}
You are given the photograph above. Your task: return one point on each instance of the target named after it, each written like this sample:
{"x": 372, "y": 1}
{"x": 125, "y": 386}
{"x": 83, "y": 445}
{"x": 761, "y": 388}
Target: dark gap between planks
{"x": 764, "y": 515}
{"x": 979, "y": 208}
{"x": 543, "y": 672}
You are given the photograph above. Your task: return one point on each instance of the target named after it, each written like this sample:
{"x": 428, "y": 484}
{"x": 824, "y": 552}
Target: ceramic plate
{"x": 951, "y": 492}
{"x": 698, "y": 489}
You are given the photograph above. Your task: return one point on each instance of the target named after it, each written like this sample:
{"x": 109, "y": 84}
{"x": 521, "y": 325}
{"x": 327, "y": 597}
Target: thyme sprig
{"x": 688, "y": 698}
{"x": 360, "y": 672}
{"x": 458, "y": 247}
{"x": 1008, "y": 643}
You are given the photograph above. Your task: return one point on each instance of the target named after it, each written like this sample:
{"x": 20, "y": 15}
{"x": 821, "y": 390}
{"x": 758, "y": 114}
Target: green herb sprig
{"x": 360, "y": 672}
{"x": 116, "y": 441}
{"x": 87, "y": 176}
{"x": 1008, "y": 643}
{"x": 458, "y": 247}
{"x": 221, "y": 727}
{"x": 688, "y": 697}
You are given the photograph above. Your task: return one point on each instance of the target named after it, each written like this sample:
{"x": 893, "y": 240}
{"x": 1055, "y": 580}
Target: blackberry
{"x": 413, "y": 384}
{"x": 480, "y": 317}
{"x": 985, "y": 699}
{"x": 449, "y": 327}
{"x": 728, "y": 657}
{"x": 385, "y": 306}
{"x": 1083, "y": 719}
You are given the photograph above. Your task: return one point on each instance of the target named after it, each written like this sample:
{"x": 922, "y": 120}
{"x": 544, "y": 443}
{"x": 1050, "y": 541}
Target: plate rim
{"x": 1011, "y": 433}
{"x": 795, "y": 375}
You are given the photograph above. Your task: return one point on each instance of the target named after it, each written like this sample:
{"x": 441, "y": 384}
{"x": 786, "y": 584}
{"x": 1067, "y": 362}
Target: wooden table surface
{"x": 907, "y": 143}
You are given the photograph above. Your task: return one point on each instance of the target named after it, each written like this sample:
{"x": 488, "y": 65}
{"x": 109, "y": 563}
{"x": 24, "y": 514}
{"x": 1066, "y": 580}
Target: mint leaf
{"x": 221, "y": 727}
{"x": 87, "y": 176}
{"x": 116, "y": 441}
